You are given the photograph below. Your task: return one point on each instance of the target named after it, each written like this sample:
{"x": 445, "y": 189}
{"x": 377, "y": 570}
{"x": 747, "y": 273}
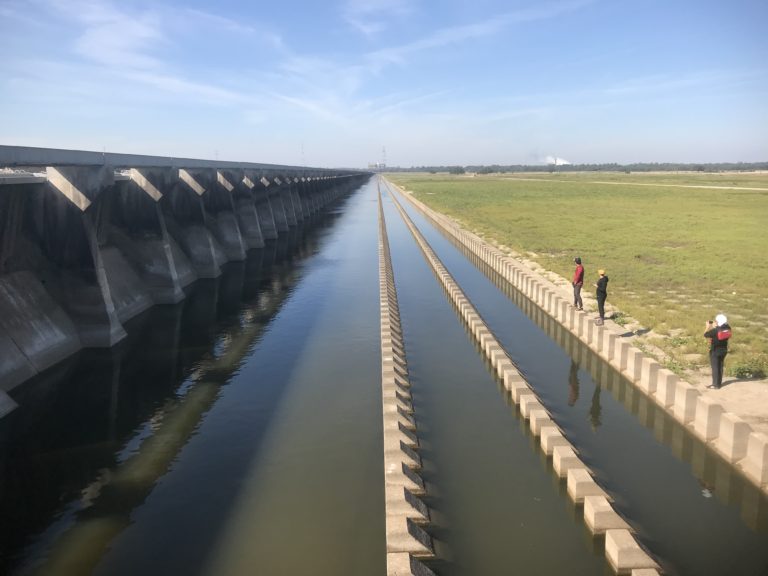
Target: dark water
{"x": 218, "y": 438}
{"x": 239, "y": 432}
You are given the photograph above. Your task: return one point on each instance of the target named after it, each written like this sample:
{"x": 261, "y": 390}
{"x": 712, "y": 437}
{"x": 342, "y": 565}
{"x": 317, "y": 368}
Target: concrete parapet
{"x": 600, "y": 516}
{"x": 755, "y": 464}
{"x": 404, "y": 535}
{"x": 707, "y": 418}
{"x": 624, "y": 553}
{"x": 634, "y": 363}
{"x": 665, "y": 388}
{"x": 539, "y": 420}
{"x": 621, "y": 355}
{"x": 403, "y": 564}
{"x": 551, "y": 437}
{"x": 649, "y": 373}
{"x": 608, "y": 349}
{"x": 517, "y": 389}
{"x": 732, "y": 440}
{"x": 564, "y": 459}
{"x": 685, "y": 402}
{"x": 528, "y": 403}
{"x": 581, "y": 484}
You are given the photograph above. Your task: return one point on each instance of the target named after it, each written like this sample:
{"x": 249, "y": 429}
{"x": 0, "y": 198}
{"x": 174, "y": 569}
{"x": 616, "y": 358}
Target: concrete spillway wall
{"x": 90, "y": 240}
{"x": 405, "y": 512}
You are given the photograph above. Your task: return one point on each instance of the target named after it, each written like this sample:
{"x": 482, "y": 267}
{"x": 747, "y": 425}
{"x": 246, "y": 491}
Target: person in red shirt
{"x": 578, "y": 282}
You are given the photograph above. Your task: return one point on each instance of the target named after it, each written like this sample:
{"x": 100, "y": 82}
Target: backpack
{"x": 723, "y": 334}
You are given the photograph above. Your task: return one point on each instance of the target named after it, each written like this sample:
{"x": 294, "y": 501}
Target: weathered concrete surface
{"x": 7, "y": 404}
{"x": 90, "y": 240}
{"x": 130, "y": 296}
{"x": 35, "y": 333}
{"x": 624, "y": 553}
{"x": 14, "y": 366}
{"x": 164, "y": 268}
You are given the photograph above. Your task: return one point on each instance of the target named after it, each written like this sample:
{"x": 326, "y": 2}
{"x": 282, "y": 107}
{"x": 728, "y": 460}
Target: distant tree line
{"x": 607, "y": 167}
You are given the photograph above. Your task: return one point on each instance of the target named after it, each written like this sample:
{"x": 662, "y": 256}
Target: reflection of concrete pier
{"x": 214, "y": 332}
{"x": 90, "y": 240}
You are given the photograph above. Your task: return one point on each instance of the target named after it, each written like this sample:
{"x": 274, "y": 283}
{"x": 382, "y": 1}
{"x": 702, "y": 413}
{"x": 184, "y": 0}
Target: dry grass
{"x": 675, "y": 255}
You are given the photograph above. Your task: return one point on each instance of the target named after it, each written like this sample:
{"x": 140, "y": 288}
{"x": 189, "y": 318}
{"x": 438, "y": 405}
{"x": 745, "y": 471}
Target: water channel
{"x": 239, "y": 432}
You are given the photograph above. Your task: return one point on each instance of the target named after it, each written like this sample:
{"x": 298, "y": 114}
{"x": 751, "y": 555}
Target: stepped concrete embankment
{"x": 89, "y": 240}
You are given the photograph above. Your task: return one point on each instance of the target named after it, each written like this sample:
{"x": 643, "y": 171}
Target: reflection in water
{"x": 94, "y": 435}
{"x": 595, "y": 410}
{"x": 726, "y": 481}
{"x": 573, "y": 383}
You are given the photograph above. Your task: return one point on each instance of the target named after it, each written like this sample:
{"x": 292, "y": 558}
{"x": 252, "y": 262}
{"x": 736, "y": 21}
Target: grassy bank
{"x": 675, "y": 255}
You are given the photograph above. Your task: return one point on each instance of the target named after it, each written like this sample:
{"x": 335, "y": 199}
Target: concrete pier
{"x": 89, "y": 240}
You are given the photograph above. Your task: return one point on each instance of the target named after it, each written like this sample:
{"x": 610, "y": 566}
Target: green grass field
{"x": 675, "y": 256}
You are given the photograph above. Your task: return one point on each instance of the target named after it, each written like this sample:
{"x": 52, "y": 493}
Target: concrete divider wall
{"x": 625, "y": 556}
{"x": 98, "y": 243}
{"x": 730, "y": 438}
{"x": 405, "y": 513}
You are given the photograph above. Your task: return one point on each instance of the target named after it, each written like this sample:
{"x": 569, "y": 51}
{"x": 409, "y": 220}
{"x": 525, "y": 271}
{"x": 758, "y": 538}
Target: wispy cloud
{"x": 175, "y": 85}
{"x": 665, "y": 83}
{"x": 111, "y": 36}
{"x": 460, "y": 34}
{"x": 263, "y": 33}
{"x": 371, "y": 17}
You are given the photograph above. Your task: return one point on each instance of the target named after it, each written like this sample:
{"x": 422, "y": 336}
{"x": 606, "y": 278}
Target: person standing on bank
{"x": 578, "y": 282}
{"x": 602, "y": 294}
{"x": 718, "y": 332}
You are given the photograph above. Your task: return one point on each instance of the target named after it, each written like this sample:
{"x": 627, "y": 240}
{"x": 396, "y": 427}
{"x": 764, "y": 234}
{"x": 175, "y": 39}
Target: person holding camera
{"x": 718, "y": 332}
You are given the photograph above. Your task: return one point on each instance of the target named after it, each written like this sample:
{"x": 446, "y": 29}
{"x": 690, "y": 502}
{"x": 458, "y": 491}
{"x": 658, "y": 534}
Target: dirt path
{"x": 642, "y": 184}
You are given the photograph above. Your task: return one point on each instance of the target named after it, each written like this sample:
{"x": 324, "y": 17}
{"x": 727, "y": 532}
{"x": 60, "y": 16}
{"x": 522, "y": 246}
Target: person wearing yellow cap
{"x": 602, "y": 294}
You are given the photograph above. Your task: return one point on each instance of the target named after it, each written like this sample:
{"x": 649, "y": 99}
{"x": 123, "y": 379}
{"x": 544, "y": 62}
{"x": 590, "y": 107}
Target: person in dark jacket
{"x": 578, "y": 282}
{"x": 718, "y": 332}
{"x": 602, "y": 294}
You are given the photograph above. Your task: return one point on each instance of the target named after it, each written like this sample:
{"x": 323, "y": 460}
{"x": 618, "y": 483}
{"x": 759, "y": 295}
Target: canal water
{"x": 239, "y": 432}
{"x": 688, "y": 506}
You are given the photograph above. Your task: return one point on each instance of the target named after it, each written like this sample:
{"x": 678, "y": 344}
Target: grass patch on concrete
{"x": 676, "y": 256}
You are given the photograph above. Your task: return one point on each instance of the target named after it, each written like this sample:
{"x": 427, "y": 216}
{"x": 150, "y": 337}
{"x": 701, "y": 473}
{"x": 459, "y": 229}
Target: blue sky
{"x": 333, "y": 83}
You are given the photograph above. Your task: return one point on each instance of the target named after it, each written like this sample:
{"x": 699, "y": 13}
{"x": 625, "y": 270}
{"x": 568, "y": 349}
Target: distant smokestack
{"x": 556, "y": 161}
